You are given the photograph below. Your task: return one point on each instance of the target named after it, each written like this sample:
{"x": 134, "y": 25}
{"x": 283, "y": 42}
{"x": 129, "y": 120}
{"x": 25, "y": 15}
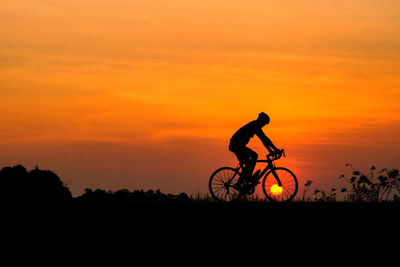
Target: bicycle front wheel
{"x": 221, "y": 184}
{"x": 273, "y": 191}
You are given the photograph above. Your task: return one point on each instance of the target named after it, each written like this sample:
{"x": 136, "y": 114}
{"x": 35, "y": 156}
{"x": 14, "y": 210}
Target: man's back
{"x": 243, "y": 135}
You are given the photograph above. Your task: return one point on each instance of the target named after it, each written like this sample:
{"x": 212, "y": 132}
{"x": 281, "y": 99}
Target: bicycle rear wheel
{"x": 283, "y": 193}
{"x": 221, "y": 184}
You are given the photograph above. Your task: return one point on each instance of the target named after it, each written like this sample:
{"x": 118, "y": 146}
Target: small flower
{"x": 364, "y": 179}
{"x": 308, "y": 183}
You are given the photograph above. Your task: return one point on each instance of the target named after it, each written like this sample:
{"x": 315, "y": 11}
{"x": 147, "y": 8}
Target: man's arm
{"x": 266, "y": 141}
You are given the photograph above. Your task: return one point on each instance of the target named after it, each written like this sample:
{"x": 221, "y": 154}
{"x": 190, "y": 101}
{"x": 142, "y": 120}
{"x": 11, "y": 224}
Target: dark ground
{"x": 167, "y": 231}
{"x": 192, "y": 213}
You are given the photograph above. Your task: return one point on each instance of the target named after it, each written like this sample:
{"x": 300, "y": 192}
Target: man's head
{"x": 263, "y": 119}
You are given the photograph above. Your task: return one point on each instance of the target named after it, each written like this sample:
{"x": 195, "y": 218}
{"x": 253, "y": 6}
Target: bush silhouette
{"x": 17, "y": 184}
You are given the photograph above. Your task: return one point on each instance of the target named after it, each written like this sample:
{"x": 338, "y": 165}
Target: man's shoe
{"x": 254, "y": 181}
{"x": 254, "y": 178}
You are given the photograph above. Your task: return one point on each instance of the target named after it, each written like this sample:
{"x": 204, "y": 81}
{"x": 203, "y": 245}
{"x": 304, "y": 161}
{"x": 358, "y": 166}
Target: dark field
{"x": 206, "y": 227}
{"x": 192, "y": 212}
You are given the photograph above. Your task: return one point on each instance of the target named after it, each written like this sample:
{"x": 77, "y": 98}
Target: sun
{"x": 276, "y": 189}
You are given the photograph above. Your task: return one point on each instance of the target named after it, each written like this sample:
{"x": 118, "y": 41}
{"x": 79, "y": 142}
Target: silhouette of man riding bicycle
{"x": 228, "y": 184}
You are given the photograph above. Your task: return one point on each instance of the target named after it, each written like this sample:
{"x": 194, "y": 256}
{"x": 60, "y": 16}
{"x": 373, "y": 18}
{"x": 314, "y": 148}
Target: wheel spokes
{"x": 288, "y": 189}
{"x": 221, "y": 184}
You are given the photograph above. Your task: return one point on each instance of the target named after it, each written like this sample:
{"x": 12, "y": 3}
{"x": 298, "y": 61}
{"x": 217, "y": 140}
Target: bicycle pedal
{"x": 250, "y": 190}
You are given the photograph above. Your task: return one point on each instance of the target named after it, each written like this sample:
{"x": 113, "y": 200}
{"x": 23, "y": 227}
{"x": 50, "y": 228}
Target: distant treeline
{"x": 126, "y": 195}
{"x": 18, "y": 184}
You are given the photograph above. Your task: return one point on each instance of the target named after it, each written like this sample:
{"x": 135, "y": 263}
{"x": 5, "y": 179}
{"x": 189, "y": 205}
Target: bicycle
{"x": 279, "y": 183}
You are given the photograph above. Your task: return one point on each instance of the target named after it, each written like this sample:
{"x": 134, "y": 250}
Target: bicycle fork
{"x": 276, "y": 177}
{"x": 272, "y": 168}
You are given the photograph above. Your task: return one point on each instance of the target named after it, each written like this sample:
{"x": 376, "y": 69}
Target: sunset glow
{"x": 276, "y": 189}
{"x": 146, "y": 94}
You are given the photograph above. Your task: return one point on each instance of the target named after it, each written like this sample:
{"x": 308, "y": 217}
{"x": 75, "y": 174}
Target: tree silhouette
{"x": 17, "y": 184}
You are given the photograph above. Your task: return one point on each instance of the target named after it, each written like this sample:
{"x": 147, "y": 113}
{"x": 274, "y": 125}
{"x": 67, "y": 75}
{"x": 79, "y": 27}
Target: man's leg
{"x": 249, "y": 162}
{"x": 249, "y": 159}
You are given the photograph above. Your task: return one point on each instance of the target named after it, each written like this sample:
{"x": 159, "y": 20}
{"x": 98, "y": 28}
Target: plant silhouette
{"x": 375, "y": 186}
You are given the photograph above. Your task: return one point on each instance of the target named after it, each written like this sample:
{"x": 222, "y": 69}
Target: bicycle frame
{"x": 270, "y": 166}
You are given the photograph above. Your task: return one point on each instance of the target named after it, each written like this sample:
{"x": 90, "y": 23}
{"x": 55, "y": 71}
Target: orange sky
{"x": 146, "y": 94}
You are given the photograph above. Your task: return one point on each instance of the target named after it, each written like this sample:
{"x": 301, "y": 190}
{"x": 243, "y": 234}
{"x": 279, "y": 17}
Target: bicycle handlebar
{"x": 274, "y": 156}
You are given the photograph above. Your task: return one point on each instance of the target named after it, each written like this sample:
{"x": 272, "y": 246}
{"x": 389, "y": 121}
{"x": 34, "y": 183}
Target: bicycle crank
{"x": 250, "y": 190}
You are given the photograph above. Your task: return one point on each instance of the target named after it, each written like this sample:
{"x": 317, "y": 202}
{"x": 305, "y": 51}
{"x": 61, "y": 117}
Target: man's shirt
{"x": 243, "y": 135}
